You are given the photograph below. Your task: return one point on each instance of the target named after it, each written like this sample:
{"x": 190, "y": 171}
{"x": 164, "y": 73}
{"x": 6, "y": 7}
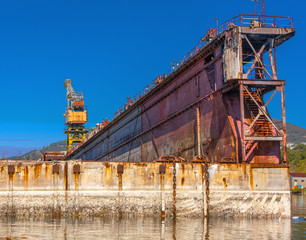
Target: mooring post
{"x": 174, "y": 189}
{"x": 119, "y": 173}
{"x": 11, "y": 172}
{"x": 162, "y": 171}
{"x": 205, "y": 190}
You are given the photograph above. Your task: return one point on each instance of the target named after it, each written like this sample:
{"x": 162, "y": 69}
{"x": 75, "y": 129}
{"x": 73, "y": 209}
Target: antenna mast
{"x": 259, "y": 7}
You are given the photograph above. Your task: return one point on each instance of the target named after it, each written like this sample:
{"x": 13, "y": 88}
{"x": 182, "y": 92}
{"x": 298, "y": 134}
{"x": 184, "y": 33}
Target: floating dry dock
{"x": 197, "y": 142}
{"x": 209, "y": 108}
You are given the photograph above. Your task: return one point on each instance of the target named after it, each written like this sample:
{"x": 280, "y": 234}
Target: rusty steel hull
{"x": 165, "y": 122}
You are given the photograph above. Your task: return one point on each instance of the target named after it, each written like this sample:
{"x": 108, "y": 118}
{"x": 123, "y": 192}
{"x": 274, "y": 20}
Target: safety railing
{"x": 253, "y": 21}
{"x": 249, "y": 20}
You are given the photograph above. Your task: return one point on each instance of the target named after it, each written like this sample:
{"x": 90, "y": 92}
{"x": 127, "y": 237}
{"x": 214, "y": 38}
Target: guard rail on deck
{"x": 242, "y": 20}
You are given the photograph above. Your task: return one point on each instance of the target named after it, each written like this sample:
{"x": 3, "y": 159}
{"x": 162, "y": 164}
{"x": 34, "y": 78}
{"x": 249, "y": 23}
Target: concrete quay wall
{"x": 71, "y": 188}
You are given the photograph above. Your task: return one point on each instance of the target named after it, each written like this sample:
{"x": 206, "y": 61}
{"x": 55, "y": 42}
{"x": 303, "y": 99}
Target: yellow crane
{"x": 75, "y": 116}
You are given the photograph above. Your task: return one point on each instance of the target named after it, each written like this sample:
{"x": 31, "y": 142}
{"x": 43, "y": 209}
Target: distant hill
{"x": 36, "y": 153}
{"x": 295, "y": 134}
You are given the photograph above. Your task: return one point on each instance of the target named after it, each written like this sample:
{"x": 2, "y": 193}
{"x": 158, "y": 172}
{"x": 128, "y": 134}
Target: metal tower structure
{"x": 75, "y": 116}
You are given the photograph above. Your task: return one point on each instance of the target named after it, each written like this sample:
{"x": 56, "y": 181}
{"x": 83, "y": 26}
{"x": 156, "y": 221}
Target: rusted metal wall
{"x": 167, "y": 121}
{"x": 163, "y": 122}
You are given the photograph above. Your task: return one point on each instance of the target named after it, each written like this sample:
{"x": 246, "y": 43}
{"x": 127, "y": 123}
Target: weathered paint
{"x": 164, "y": 122}
{"x": 98, "y": 189}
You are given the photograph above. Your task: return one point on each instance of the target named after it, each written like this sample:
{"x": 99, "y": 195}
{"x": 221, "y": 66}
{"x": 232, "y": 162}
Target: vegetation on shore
{"x": 296, "y": 156}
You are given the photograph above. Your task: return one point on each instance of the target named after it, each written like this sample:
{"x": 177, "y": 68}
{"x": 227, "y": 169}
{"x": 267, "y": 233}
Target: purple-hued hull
{"x": 164, "y": 121}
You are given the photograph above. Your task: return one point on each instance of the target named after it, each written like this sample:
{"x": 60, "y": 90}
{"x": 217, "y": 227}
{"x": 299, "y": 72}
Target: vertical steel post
{"x": 198, "y": 133}
{"x": 284, "y": 123}
{"x": 242, "y": 122}
{"x": 241, "y": 100}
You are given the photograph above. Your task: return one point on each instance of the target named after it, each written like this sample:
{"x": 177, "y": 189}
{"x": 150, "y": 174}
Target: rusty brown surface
{"x": 11, "y": 169}
{"x": 76, "y": 168}
{"x": 162, "y": 169}
{"x": 206, "y": 109}
{"x": 55, "y": 169}
{"x": 119, "y": 168}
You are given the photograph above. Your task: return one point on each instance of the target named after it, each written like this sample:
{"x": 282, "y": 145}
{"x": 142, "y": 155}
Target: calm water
{"x": 153, "y": 228}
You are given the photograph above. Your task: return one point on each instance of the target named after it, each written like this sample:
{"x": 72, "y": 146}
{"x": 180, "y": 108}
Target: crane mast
{"x": 75, "y": 116}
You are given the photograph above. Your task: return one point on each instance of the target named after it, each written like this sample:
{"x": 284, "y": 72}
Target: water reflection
{"x": 298, "y": 205}
{"x": 142, "y": 228}
{"x": 154, "y": 228}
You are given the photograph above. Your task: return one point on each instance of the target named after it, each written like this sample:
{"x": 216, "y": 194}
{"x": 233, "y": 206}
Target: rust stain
{"x": 244, "y": 169}
{"x": 120, "y": 181}
{"x": 37, "y": 170}
{"x": 183, "y": 175}
{"x": 76, "y": 181}
{"x": 18, "y": 168}
{"x": 251, "y": 179}
{"x": 47, "y": 171}
{"x": 162, "y": 185}
{"x": 10, "y": 181}
{"x": 66, "y": 181}
{"x": 182, "y": 181}
{"x": 107, "y": 165}
{"x": 202, "y": 172}
{"x": 224, "y": 183}
{"x": 108, "y": 173}
{"x": 26, "y": 176}
{"x": 265, "y": 177}
{"x": 138, "y": 164}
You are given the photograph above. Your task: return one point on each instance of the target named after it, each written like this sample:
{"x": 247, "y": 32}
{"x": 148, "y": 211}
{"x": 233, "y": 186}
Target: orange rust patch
{"x": 224, "y": 183}
{"x": 10, "y": 180}
{"x": 251, "y": 179}
{"x": 108, "y": 173}
{"x": 107, "y": 165}
{"x": 183, "y": 168}
{"x": 120, "y": 181}
{"x": 26, "y": 176}
{"x": 66, "y": 181}
{"x": 182, "y": 181}
{"x": 47, "y": 170}
{"x": 37, "y": 170}
{"x": 76, "y": 181}
{"x": 18, "y": 168}
{"x": 244, "y": 170}
{"x": 138, "y": 164}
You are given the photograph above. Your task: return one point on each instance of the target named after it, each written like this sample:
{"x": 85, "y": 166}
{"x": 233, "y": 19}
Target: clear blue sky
{"x": 111, "y": 50}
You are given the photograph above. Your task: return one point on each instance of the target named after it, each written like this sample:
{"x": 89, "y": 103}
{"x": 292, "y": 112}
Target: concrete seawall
{"x": 111, "y": 188}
